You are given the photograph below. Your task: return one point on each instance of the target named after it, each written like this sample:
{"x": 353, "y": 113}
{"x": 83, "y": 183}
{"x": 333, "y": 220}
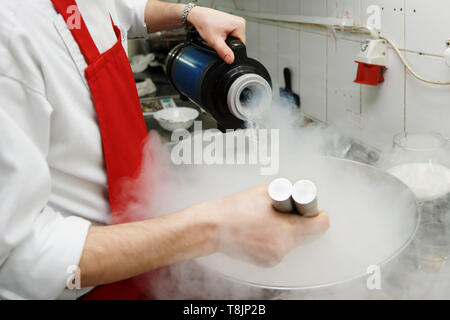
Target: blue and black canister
{"x": 230, "y": 93}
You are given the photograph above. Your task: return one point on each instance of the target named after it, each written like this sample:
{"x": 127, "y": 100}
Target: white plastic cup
{"x": 280, "y": 191}
{"x": 304, "y": 194}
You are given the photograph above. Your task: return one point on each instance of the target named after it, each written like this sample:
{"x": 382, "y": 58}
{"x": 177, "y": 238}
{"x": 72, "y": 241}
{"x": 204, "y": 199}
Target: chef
{"x": 71, "y": 128}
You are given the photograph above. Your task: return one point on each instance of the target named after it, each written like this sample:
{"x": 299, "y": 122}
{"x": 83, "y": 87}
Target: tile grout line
{"x": 299, "y": 48}
{"x": 326, "y": 68}
{"x": 278, "y": 48}
{"x": 360, "y": 86}
{"x": 404, "y": 67}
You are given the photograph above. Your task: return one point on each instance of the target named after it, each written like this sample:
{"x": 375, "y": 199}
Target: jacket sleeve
{"x": 38, "y": 246}
{"x": 132, "y": 16}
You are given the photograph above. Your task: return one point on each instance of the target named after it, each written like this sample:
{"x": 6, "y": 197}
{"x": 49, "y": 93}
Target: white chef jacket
{"x": 53, "y": 183}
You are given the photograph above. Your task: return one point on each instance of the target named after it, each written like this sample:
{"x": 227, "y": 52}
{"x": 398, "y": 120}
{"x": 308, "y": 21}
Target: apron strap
{"x": 75, "y": 22}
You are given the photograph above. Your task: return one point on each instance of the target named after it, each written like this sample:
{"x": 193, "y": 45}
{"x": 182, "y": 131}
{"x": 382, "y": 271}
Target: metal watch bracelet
{"x": 186, "y": 11}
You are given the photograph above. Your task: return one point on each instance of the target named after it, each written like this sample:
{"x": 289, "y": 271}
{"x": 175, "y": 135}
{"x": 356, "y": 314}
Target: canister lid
{"x": 249, "y": 94}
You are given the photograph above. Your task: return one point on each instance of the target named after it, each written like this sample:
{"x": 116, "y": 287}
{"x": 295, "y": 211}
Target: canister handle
{"x": 238, "y": 47}
{"x": 194, "y": 37}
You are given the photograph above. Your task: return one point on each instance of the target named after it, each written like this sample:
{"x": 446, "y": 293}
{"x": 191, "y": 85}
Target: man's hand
{"x": 243, "y": 225}
{"x": 215, "y": 26}
{"x": 250, "y": 228}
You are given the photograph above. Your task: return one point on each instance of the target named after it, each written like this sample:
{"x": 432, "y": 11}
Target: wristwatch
{"x": 186, "y": 11}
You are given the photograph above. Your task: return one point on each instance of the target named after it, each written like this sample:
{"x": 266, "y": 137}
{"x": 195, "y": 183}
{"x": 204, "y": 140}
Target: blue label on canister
{"x": 189, "y": 69}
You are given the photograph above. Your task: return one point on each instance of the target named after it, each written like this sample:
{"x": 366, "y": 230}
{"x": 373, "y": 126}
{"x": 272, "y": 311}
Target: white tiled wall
{"x": 323, "y": 65}
{"x": 313, "y": 71}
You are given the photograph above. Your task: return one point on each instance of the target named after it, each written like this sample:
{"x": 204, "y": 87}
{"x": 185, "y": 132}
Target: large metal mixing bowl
{"x": 296, "y": 277}
{"x": 374, "y": 217}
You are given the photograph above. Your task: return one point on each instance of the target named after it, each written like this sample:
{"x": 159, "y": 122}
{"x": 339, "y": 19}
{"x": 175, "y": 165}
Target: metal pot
{"x": 296, "y": 277}
{"x": 374, "y": 216}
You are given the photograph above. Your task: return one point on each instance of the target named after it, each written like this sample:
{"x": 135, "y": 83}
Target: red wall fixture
{"x": 369, "y": 74}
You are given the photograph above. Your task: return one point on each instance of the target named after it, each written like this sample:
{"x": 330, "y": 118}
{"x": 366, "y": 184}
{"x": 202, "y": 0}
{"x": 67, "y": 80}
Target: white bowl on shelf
{"x": 172, "y": 119}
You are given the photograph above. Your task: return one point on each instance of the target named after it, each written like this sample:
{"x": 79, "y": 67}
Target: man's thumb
{"x": 224, "y": 51}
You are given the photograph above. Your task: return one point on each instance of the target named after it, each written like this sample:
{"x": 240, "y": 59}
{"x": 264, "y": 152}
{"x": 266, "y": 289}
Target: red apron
{"x": 121, "y": 123}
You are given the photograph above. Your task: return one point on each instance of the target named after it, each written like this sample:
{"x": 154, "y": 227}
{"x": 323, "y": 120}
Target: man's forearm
{"x": 160, "y": 15}
{"x": 114, "y": 253}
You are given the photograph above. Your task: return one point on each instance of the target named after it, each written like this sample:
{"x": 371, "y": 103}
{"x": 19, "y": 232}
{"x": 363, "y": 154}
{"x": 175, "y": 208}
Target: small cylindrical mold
{"x": 280, "y": 191}
{"x": 304, "y": 194}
